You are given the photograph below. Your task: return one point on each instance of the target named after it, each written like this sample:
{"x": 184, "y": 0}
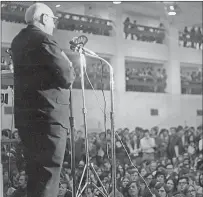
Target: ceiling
{"x": 190, "y": 13}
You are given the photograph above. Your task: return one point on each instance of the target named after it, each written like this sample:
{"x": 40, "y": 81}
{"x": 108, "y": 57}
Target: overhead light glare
{"x": 172, "y": 7}
{"x": 172, "y": 13}
{"x": 116, "y": 2}
{"x": 58, "y": 5}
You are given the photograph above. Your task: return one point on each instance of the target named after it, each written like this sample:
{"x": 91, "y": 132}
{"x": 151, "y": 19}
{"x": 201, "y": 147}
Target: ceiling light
{"x": 116, "y": 2}
{"x": 172, "y": 7}
{"x": 57, "y": 6}
{"x": 172, "y": 13}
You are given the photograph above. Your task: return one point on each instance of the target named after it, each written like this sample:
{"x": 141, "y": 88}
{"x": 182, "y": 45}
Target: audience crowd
{"x": 191, "y": 82}
{"x": 143, "y": 33}
{"x": 163, "y": 162}
{"x": 146, "y": 79}
{"x": 192, "y": 38}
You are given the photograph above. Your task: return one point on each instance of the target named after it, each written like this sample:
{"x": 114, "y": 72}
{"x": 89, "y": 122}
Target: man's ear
{"x": 44, "y": 18}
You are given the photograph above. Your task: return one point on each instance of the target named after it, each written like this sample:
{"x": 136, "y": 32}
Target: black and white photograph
{"x": 101, "y": 99}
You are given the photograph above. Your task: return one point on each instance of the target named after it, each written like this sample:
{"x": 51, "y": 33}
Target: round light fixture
{"x": 172, "y": 13}
{"x": 116, "y": 2}
{"x": 58, "y": 5}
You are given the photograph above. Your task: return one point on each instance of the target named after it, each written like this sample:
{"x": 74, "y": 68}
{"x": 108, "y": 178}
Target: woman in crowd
{"x": 171, "y": 184}
{"x": 162, "y": 190}
{"x": 132, "y": 189}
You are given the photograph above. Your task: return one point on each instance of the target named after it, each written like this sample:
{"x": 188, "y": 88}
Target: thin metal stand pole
{"x": 71, "y": 118}
{"x": 82, "y": 65}
{"x": 113, "y": 135}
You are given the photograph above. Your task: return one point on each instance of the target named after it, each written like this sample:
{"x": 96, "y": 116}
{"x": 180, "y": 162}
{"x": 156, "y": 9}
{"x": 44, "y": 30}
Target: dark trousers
{"x": 44, "y": 153}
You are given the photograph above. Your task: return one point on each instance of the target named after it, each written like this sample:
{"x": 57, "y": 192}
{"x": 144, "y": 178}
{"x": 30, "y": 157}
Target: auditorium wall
{"x": 131, "y": 110}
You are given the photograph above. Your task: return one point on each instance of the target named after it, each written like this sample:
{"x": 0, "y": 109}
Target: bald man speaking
{"x": 42, "y": 76}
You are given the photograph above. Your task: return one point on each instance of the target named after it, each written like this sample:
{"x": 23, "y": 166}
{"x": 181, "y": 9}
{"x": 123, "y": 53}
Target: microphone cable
{"x": 107, "y": 147}
{"x": 133, "y": 163}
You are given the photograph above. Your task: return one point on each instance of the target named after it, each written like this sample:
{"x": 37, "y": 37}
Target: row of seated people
{"x": 168, "y": 161}
{"x": 144, "y": 33}
{"x": 146, "y": 79}
{"x": 15, "y": 13}
{"x": 192, "y": 38}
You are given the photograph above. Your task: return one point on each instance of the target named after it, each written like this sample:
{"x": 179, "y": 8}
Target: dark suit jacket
{"x": 42, "y": 77}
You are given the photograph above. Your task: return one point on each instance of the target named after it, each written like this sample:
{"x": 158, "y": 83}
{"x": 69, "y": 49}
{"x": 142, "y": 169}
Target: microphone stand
{"x": 80, "y": 49}
{"x": 71, "y": 118}
{"x": 88, "y": 166}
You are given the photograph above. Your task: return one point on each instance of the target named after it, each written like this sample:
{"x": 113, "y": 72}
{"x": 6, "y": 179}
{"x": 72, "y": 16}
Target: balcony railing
{"x": 12, "y": 12}
{"x": 145, "y": 84}
{"x": 144, "y": 33}
{"x": 86, "y": 24}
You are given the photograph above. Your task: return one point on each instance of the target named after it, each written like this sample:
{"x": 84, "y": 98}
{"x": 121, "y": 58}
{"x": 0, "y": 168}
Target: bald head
{"x": 42, "y": 16}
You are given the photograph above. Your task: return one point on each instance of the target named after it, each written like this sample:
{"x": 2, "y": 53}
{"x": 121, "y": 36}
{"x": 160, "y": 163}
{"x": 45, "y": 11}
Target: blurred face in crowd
{"x": 142, "y": 186}
{"x": 16, "y": 136}
{"x": 147, "y": 134}
{"x": 191, "y": 192}
{"x": 22, "y": 182}
{"x": 133, "y": 190}
{"x": 89, "y": 192}
{"x": 162, "y": 192}
{"x": 170, "y": 184}
{"x": 120, "y": 169}
{"x": 153, "y": 132}
{"x": 62, "y": 189}
{"x": 134, "y": 176}
{"x": 107, "y": 165}
{"x": 125, "y": 181}
{"x": 172, "y": 130}
{"x": 126, "y": 166}
{"x": 153, "y": 166}
{"x": 169, "y": 168}
{"x": 160, "y": 178}
{"x": 182, "y": 184}
{"x": 143, "y": 172}
{"x": 99, "y": 171}
{"x": 149, "y": 179}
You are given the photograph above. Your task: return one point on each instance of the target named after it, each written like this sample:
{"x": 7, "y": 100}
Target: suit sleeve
{"x": 61, "y": 66}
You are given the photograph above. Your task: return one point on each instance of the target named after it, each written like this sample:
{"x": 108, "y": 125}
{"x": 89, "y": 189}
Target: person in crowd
{"x": 147, "y": 145}
{"x": 162, "y": 189}
{"x": 126, "y": 27}
{"x": 183, "y": 183}
{"x": 132, "y": 189}
{"x": 21, "y": 191}
{"x": 160, "y": 177}
{"x": 185, "y": 35}
{"x": 171, "y": 184}
{"x": 191, "y": 191}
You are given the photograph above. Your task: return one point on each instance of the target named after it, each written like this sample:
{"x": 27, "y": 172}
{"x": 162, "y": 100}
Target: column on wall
{"x": 173, "y": 64}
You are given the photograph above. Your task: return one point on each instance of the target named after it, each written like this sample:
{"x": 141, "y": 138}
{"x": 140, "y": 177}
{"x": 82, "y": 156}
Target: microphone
{"x": 77, "y": 45}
